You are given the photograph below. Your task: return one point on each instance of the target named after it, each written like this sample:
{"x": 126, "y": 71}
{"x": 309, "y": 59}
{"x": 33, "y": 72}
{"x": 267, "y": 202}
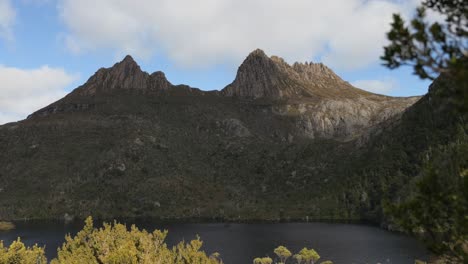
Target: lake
{"x": 241, "y": 243}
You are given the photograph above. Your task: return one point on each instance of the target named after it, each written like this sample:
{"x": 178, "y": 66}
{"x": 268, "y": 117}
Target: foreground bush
{"x": 18, "y": 253}
{"x": 111, "y": 244}
{"x": 305, "y": 256}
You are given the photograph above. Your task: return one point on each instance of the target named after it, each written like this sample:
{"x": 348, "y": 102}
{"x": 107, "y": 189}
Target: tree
{"x": 298, "y": 258}
{"x": 306, "y": 256}
{"x": 433, "y": 48}
{"x": 257, "y": 261}
{"x": 283, "y": 253}
{"x": 436, "y": 210}
{"x": 267, "y": 260}
{"x": 309, "y": 255}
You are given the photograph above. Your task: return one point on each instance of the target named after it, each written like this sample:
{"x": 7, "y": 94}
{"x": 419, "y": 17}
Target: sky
{"x": 50, "y": 47}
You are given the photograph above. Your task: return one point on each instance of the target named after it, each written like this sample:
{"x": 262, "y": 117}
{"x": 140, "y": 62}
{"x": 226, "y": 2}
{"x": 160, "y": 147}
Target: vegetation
{"x": 116, "y": 244}
{"x": 436, "y": 207}
{"x": 305, "y": 256}
{"x": 5, "y": 226}
{"x": 18, "y": 253}
{"x": 433, "y": 48}
{"x": 112, "y": 244}
{"x": 265, "y": 260}
{"x": 283, "y": 253}
{"x": 430, "y": 47}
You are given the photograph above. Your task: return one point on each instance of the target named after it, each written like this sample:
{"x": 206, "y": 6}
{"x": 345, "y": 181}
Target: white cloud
{"x": 348, "y": 33}
{"x": 385, "y": 86}
{"x": 7, "y": 19}
{"x": 25, "y": 91}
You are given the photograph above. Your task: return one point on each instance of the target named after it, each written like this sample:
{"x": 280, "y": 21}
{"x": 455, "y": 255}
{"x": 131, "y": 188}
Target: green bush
{"x": 18, "y": 253}
{"x": 305, "y": 256}
{"x": 111, "y": 244}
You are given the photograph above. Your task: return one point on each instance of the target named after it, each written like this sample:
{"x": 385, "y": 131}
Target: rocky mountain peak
{"x": 262, "y": 76}
{"x": 125, "y": 74}
{"x": 258, "y": 76}
{"x": 310, "y": 71}
{"x": 128, "y": 60}
{"x": 257, "y": 53}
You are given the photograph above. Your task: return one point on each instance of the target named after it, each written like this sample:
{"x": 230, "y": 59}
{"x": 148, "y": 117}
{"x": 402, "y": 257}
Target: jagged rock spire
{"x": 258, "y": 76}
{"x": 262, "y": 76}
{"x": 126, "y": 74}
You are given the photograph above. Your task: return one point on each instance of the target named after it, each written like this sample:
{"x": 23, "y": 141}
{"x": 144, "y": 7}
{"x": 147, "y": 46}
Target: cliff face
{"x": 319, "y": 101}
{"x": 280, "y": 141}
{"x": 125, "y": 75}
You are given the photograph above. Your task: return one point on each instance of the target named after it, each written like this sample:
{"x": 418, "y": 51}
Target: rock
{"x": 260, "y": 76}
{"x": 121, "y": 167}
{"x": 235, "y": 127}
{"x": 152, "y": 139}
{"x": 126, "y": 75}
{"x": 138, "y": 142}
{"x": 68, "y": 218}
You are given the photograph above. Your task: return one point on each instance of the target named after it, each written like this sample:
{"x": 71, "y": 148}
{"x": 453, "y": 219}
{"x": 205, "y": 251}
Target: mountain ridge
{"x": 274, "y": 71}
{"x": 262, "y": 76}
{"x": 326, "y": 105}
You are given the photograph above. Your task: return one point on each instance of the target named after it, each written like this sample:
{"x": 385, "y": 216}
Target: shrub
{"x": 18, "y": 253}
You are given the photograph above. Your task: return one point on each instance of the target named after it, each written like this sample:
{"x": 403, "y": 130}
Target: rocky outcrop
{"x": 234, "y": 127}
{"x": 261, "y": 76}
{"x": 126, "y": 74}
{"x": 322, "y": 104}
{"x": 341, "y": 119}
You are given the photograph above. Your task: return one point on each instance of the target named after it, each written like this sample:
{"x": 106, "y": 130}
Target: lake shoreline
{"x": 199, "y": 220}
{"x": 6, "y": 226}
{"x": 208, "y": 220}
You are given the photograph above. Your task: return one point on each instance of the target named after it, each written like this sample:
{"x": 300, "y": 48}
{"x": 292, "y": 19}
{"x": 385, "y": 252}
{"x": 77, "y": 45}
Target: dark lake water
{"x": 240, "y": 243}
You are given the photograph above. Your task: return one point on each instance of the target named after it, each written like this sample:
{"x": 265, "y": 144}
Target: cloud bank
{"x": 25, "y": 91}
{"x": 346, "y": 34}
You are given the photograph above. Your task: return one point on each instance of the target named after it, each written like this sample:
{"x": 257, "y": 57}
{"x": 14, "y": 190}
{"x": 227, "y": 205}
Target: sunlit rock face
{"x": 320, "y": 102}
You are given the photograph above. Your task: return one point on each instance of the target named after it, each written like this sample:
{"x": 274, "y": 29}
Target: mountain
{"x": 280, "y": 142}
{"x": 313, "y": 97}
{"x": 262, "y": 76}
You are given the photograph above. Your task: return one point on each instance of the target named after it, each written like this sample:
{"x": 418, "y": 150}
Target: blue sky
{"x": 49, "y": 47}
